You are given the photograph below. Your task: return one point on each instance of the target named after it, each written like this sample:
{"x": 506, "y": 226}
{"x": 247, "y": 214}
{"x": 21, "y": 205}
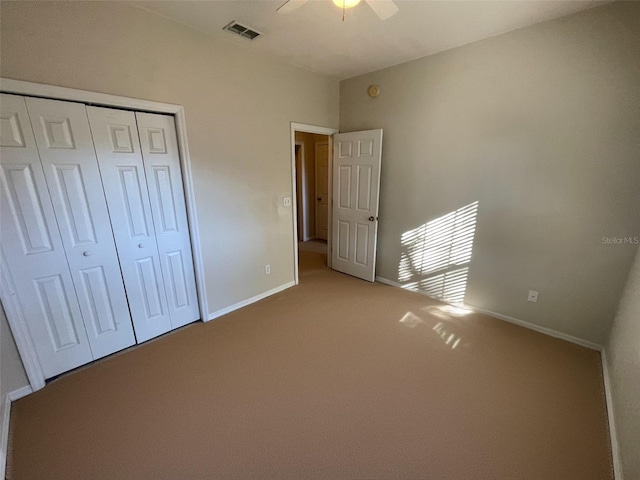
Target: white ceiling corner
{"x": 315, "y": 38}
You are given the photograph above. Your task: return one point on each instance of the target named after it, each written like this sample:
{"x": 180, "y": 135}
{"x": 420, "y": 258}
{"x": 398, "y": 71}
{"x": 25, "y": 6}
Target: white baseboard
{"x": 507, "y": 318}
{"x": 6, "y": 416}
{"x": 386, "y": 281}
{"x": 19, "y": 393}
{"x": 532, "y": 326}
{"x": 249, "y": 301}
{"x": 615, "y": 448}
{"x": 6, "y": 412}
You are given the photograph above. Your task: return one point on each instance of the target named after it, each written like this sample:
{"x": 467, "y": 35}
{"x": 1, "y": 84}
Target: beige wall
{"x": 540, "y": 126}
{"x": 623, "y": 355}
{"x": 238, "y": 108}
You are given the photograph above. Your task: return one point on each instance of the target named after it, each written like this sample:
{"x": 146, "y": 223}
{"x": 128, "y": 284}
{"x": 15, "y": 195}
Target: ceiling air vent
{"x": 242, "y": 30}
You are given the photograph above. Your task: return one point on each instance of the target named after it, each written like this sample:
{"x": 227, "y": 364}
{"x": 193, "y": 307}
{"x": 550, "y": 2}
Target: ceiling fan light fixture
{"x": 346, "y": 3}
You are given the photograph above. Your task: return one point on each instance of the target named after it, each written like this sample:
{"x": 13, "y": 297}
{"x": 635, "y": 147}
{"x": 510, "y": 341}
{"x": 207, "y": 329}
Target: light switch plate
{"x": 287, "y": 201}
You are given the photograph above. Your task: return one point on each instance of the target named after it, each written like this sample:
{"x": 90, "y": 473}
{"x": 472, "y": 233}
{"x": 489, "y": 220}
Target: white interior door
{"x": 164, "y": 180}
{"x": 33, "y": 250}
{"x": 356, "y": 190}
{"x": 322, "y": 190}
{"x": 71, "y": 170}
{"x": 117, "y": 145}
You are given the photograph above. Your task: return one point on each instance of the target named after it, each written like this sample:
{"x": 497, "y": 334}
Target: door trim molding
{"x": 303, "y": 127}
{"x": 9, "y": 398}
{"x": 19, "y": 87}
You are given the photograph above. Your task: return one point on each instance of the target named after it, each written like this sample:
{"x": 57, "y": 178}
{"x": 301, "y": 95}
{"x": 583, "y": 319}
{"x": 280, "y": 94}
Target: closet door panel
{"x": 70, "y": 165}
{"x": 117, "y": 146}
{"x": 32, "y": 248}
{"x": 164, "y": 179}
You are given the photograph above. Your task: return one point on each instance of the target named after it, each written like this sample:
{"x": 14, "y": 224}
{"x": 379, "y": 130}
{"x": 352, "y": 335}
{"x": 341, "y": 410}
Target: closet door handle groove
{"x": 86, "y": 254}
{"x": 140, "y": 245}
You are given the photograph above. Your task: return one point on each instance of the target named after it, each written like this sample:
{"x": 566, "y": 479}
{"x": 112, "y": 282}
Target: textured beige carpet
{"x": 316, "y": 246}
{"x": 336, "y": 378}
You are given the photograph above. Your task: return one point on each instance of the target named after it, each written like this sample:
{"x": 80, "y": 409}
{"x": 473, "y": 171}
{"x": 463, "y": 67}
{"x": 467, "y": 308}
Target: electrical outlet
{"x": 533, "y": 296}
{"x": 287, "y": 201}
{"x": 267, "y": 269}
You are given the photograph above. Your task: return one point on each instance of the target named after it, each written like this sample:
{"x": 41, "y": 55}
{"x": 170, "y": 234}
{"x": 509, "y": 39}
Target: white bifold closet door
{"x": 151, "y": 233}
{"x": 62, "y": 278}
{"x": 161, "y": 160}
{"x": 70, "y": 167}
{"x": 94, "y": 232}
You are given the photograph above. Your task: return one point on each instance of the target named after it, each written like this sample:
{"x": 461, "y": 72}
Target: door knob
{"x": 140, "y": 245}
{"x": 86, "y": 254}
{"x": 319, "y": 199}
{"x": 372, "y": 218}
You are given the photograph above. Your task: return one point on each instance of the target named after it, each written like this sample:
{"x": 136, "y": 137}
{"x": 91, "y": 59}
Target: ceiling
{"x": 315, "y": 38}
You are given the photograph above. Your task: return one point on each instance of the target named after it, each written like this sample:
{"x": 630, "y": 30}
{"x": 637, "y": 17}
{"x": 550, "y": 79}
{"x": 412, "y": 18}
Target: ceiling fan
{"x": 383, "y": 8}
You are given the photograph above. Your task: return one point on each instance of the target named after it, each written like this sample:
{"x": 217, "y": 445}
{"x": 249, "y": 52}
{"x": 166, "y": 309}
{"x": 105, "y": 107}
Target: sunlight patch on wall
{"x": 435, "y": 255}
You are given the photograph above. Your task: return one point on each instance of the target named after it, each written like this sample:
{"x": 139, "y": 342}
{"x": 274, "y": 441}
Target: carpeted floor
{"x": 335, "y": 378}
{"x": 317, "y": 246}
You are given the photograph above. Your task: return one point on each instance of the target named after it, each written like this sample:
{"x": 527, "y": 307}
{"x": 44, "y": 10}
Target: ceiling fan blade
{"x": 383, "y": 8}
{"x": 290, "y": 6}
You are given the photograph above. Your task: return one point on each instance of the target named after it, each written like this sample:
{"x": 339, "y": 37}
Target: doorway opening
{"x": 311, "y": 165}
{"x": 312, "y": 190}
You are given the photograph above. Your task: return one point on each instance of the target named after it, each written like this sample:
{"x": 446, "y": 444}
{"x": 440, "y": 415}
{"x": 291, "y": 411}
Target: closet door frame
{"x": 7, "y": 291}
